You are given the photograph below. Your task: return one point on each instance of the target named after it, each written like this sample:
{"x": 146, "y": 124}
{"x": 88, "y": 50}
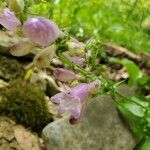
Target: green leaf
{"x": 132, "y": 69}
{"x": 131, "y": 110}
{"x": 144, "y": 144}
{"x": 134, "y": 113}
{"x": 141, "y": 100}
{"x": 144, "y": 80}
{"x": 147, "y": 117}
{"x": 137, "y": 110}
{"x": 2, "y": 5}
{"x": 42, "y": 9}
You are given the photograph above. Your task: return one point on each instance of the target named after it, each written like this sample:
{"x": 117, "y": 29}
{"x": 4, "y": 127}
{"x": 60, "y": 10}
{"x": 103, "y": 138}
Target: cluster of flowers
{"x": 40, "y": 31}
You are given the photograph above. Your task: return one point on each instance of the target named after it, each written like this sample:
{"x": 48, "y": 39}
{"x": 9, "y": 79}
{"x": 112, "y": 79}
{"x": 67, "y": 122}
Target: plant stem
{"x": 75, "y": 67}
{"x": 89, "y": 75}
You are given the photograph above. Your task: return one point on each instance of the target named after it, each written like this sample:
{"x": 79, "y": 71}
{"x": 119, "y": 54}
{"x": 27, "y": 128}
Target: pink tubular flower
{"x": 73, "y": 101}
{"x": 41, "y": 31}
{"x": 9, "y": 20}
{"x": 65, "y": 75}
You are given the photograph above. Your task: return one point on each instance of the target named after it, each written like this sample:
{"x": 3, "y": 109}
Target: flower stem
{"x": 112, "y": 86}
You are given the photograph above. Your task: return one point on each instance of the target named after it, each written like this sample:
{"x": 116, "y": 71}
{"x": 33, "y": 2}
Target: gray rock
{"x": 100, "y": 129}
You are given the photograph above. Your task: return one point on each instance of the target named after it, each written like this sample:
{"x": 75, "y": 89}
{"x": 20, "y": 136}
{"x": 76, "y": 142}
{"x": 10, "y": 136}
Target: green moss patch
{"x": 25, "y": 104}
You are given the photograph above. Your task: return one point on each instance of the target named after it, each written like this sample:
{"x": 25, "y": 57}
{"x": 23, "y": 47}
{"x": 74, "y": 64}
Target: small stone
{"x": 26, "y": 139}
{"x": 13, "y": 136}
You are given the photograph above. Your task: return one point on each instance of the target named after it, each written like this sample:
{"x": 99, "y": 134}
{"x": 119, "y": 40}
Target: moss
{"x": 10, "y": 68}
{"x": 25, "y": 104}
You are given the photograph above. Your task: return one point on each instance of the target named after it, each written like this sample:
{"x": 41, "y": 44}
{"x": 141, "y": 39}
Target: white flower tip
{"x": 94, "y": 86}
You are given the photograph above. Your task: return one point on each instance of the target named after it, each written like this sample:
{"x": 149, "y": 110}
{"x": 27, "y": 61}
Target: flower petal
{"x": 73, "y": 101}
{"x": 9, "y": 20}
{"x": 81, "y": 91}
{"x": 22, "y": 48}
{"x": 64, "y": 75}
{"x": 70, "y": 103}
{"x": 57, "y": 98}
{"x": 41, "y": 30}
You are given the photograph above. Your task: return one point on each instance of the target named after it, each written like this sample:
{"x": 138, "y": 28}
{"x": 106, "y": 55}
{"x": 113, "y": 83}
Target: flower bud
{"x": 9, "y": 20}
{"x": 76, "y": 48}
{"x": 94, "y": 86}
{"x": 76, "y": 45}
{"x": 77, "y": 52}
{"x": 15, "y": 5}
{"x": 21, "y": 48}
{"x": 78, "y": 60}
{"x": 44, "y": 57}
{"x": 41, "y": 31}
{"x": 65, "y": 75}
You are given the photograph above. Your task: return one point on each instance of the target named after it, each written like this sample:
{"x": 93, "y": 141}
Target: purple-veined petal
{"x": 65, "y": 75}
{"x": 57, "y": 98}
{"x": 68, "y": 102}
{"x": 41, "y": 30}
{"x": 72, "y": 100}
{"x": 9, "y": 20}
{"x": 81, "y": 91}
{"x": 21, "y": 48}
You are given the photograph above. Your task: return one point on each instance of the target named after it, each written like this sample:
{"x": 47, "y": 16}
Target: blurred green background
{"x": 123, "y": 22}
